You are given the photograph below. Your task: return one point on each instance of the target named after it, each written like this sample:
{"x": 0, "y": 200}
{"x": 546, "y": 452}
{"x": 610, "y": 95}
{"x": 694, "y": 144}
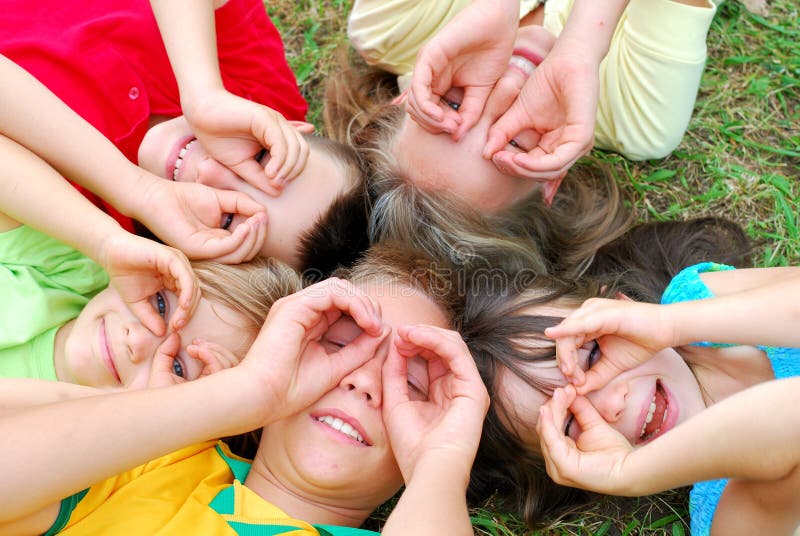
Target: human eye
{"x": 417, "y": 378}
{"x": 160, "y": 303}
{"x": 261, "y": 155}
{"x": 178, "y": 369}
{"x": 227, "y": 219}
{"x": 452, "y": 104}
{"x": 594, "y": 355}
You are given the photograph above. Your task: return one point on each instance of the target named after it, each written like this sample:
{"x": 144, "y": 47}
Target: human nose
{"x": 141, "y": 342}
{"x": 610, "y": 400}
{"x": 365, "y": 381}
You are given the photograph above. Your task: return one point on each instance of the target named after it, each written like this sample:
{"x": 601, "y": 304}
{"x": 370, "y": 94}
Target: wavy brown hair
{"x": 503, "y": 337}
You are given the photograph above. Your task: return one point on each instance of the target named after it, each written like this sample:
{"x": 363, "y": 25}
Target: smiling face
{"x": 170, "y": 150}
{"x": 436, "y": 162}
{"x": 642, "y": 403}
{"x": 337, "y": 451}
{"x": 107, "y": 346}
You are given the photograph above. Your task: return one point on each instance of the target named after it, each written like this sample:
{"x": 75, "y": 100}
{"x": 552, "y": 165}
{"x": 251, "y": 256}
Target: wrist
{"x": 442, "y": 465}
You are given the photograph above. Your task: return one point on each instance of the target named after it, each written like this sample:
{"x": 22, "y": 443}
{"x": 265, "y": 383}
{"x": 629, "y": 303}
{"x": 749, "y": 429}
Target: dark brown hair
{"x": 502, "y": 337}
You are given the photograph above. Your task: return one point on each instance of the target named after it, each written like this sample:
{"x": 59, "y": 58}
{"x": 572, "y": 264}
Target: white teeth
{"x": 341, "y": 426}
{"x": 650, "y": 413}
{"x": 523, "y": 64}
{"x": 179, "y": 160}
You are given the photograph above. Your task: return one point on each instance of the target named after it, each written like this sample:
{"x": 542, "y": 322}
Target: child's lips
{"x": 658, "y": 415}
{"x": 176, "y": 157}
{"x": 105, "y": 350}
{"x": 342, "y": 425}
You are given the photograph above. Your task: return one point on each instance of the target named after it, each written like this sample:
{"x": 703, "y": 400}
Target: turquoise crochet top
{"x": 685, "y": 286}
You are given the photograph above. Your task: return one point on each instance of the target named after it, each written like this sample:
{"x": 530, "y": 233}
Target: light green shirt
{"x": 43, "y": 285}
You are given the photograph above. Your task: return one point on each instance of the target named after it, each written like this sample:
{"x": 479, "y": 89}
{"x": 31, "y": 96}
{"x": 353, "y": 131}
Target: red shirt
{"x": 107, "y": 61}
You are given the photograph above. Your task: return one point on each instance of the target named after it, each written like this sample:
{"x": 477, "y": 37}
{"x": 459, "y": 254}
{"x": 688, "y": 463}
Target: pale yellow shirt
{"x": 648, "y": 80}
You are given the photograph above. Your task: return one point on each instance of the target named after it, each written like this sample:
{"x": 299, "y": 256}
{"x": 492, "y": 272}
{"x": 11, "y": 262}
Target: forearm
{"x": 591, "y": 25}
{"x": 728, "y": 440}
{"x": 768, "y": 315}
{"x": 112, "y": 433}
{"x": 33, "y": 193}
{"x": 44, "y": 124}
{"x": 189, "y": 33}
{"x": 434, "y": 501}
{"x": 21, "y": 393}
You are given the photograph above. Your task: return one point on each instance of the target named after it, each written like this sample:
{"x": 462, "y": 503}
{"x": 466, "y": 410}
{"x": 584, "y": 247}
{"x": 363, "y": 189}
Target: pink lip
{"x": 173, "y": 155}
{"x": 105, "y": 350}
{"x": 528, "y": 54}
{"x": 672, "y": 412}
{"x": 338, "y": 436}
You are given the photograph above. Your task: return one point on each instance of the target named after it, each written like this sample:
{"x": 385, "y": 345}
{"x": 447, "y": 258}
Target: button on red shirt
{"x": 107, "y": 61}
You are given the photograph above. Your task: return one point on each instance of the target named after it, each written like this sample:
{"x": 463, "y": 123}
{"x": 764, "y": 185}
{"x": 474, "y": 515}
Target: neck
{"x": 722, "y": 372}
{"x": 60, "y": 352}
{"x": 315, "y": 510}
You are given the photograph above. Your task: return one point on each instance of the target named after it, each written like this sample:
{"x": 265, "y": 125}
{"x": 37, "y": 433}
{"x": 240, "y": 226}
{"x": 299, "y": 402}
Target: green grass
{"x": 740, "y": 158}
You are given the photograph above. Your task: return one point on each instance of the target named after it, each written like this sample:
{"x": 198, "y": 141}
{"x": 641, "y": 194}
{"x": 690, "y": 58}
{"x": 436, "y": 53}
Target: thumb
{"x": 355, "y": 354}
{"x": 240, "y": 203}
{"x": 471, "y": 108}
{"x": 254, "y": 174}
{"x": 509, "y": 124}
{"x": 302, "y": 126}
{"x": 585, "y": 414}
{"x": 161, "y": 368}
{"x": 150, "y": 319}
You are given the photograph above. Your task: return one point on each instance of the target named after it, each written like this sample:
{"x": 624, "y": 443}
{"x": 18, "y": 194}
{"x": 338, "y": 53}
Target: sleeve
{"x": 252, "y": 59}
{"x": 389, "y": 33}
{"x": 44, "y": 283}
{"x": 703, "y": 500}
{"x": 650, "y": 77}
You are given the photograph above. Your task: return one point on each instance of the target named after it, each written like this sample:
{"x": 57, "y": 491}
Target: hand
{"x": 288, "y": 366}
{"x": 451, "y": 418}
{"x": 596, "y": 460}
{"x": 470, "y": 52}
{"x": 213, "y": 357}
{"x": 138, "y": 268}
{"x": 190, "y": 217}
{"x": 556, "y": 108}
{"x": 628, "y": 332}
{"x": 234, "y": 130}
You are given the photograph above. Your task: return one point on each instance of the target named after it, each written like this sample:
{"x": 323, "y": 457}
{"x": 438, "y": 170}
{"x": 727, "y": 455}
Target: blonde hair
{"x": 588, "y": 211}
{"x": 250, "y": 288}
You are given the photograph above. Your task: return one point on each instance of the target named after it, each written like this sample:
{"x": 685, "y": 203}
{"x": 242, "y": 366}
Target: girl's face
{"x": 337, "y": 451}
{"x": 642, "y": 403}
{"x": 436, "y": 162}
{"x": 170, "y": 150}
{"x": 107, "y": 346}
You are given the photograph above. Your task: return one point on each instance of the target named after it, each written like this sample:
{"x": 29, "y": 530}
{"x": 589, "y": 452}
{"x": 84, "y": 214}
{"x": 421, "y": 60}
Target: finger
{"x": 205, "y": 351}
{"x": 300, "y": 159}
{"x": 302, "y": 126}
{"x": 149, "y": 317}
{"x": 420, "y": 96}
{"x": 237, "y": 203}
{"x": 585, "y": 414}
{"x": 553, "y": 163}
{"x": 161, "y": 369}
{"x": 395, "y": 380}
{"x": 471, "y": 108}
{"x": 293, "y": 148}
{"x": 352, "y": 356}
{"x": 253, "y": 173}
{"x": 188, "y": 293}
{"x": 444, "y": 344}
{"x": 341, "y": 295}
{"x": 550, "y": 188}
{"x": 505, "y": 128}
{"x": 275, "y": 140}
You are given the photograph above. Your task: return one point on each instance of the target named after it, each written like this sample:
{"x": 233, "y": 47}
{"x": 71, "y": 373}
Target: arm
{"x": 645, "y": 116}
{"x": 232, "y": 129}
{"x": 605, "y": 462}
{"x": 137, "y": 267}
{"x": 17, "y": 393}
{"x": 187, "y": 216}
{"x": 434, "y": 440}
{"x": 759, "y": 309}
{"x": 558, "y": 102}
{"x": 285, "y": 370}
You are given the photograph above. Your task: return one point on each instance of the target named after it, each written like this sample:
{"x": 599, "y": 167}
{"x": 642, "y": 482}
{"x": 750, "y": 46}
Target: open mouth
{"x": 341, "y": 427}
{"x": 656, "y": 419}
{"x": 173, "y": 168}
